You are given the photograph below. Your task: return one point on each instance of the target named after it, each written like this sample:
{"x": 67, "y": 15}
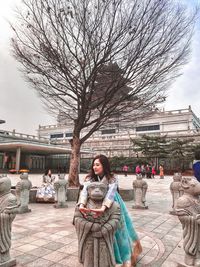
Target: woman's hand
{"x": 83, "y": 210}
{"x": 98, "y": 212}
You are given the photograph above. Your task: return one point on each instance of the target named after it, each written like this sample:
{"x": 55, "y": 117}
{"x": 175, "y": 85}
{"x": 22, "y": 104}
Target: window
{"x": 147, "y": 128}
{"x": 108, "y": 131}
{"x": 58, "y": 135}
{"x": 68, "y": 134}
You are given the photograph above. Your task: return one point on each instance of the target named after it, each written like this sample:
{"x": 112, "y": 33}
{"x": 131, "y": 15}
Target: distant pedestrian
{"x": 143, "y": 170}
{"x": 153, "y": 171}
{"x": 138, "y": 169}
{"x": 6, "y": 161}
{"x": 125, "y": 170}
{"x": 161, "y": 169}
{"x": 196, "y": 165}
{"x": 148, "y": 171}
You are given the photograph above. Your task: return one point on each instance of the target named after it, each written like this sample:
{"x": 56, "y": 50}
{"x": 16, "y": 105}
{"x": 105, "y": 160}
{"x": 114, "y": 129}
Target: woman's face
{"x": 98, "y": 167}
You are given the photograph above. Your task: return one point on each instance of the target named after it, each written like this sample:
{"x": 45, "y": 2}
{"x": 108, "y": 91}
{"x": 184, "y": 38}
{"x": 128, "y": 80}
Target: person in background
{"x": 148, "y": 171}
{"x": 126, "y": 242}
{"x": 125, "y": 170}
{"x": 196, "y": 165}
{"x": 5, "y": 161}
{"x": 153, "y": 171}
{"x": 143, "y": 170}
{"x": 137, "y": 169}
{"x": 161, "y": 169}
{"x": 46, "y": 192}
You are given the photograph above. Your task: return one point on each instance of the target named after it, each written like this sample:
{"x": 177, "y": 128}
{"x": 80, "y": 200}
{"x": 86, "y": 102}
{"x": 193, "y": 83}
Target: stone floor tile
{"x": 57, "y": 265}
{"x": 55, "y": 256}
{"x": 25, "y": 258}
{"x": 40, "y": 242}
{"x": 70, "y": 261}
{"x": 179, "y": 250}
{"x": 16, "y": 244}
{"x": 26, "y": 247}
{"x": 69, "y": 249}
{"x": 64, "y": 233}
{"x": 39, "y": 263}
{"x": 146, "y": 260}
{"x": 65, "y": 240}
{"x": 39, "y": 252}
{"x": 54, "y": 245}
{"x": 14, "y": 253}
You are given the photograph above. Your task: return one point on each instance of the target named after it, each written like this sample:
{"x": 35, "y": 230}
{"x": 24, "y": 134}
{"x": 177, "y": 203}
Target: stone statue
{"x": 176, "y": 191}
{"x": 22, "y": 192}
{"x": 188, "y": 211}
{"x": 60, "y": 187}
{"x": 96, "y": 234}
{"x": 139, "y": 188}
{"x": 8, "y": 210}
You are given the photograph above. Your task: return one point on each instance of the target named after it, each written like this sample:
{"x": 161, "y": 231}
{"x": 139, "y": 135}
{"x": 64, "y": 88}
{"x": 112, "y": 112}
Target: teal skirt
{"x": 125, "y": 234}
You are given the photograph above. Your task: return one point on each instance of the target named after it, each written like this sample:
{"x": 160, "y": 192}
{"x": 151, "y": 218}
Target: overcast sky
{"x": 22, "y": 109}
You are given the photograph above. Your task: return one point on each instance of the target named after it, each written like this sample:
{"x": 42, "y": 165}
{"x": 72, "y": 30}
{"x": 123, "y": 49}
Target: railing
{"x": 15, "y": 135}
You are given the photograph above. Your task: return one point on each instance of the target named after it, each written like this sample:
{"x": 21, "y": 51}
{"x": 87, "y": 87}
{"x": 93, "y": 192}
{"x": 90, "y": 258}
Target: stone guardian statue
{"x": 23, "y": 191}
{"x": 60, "y": 187}
{"x": 139, "y": 188}
{"x": 188, "y": 211}
{"x": 8, "y": 209}
{"x": 176, "y": 191}
{"x": 96, "y": 234}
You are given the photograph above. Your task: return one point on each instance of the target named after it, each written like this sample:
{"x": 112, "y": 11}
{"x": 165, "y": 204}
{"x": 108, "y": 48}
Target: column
{"x": 18, "y": 156}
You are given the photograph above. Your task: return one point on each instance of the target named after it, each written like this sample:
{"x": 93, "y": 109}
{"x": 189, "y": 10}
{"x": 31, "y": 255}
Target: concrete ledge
{"x": 72, "y": 194}
{"x": 126, "y": 194}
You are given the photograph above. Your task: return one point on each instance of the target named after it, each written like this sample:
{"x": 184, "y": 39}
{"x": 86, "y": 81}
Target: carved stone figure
{"x": 96, "y": 234}
{"x": 188, "y": 211}
{"x": 23, "y": 191}
{"x": 8, "y": 210}
{"x": 176, "y": 191}
{"x": 60, "y": 187}
{"x": 139, "y": 188}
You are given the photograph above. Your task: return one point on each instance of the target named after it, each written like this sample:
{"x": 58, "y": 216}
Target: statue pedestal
{"x": 60, "y": 205}
{"x": 24, "y": 209}
{"x": 11, "y": 262}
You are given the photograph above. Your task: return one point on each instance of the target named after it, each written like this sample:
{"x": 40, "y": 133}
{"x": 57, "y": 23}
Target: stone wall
{"x": 72, "y": 194}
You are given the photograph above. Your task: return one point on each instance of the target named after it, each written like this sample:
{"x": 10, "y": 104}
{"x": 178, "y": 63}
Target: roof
{"x": 31, "y": 147}
{"x": 10, "y": 141}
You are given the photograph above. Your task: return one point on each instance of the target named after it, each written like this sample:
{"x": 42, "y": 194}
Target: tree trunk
{"x": 74, "y": 162}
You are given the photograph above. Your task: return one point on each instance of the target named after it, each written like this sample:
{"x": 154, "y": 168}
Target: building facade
{"x": 114, "y": 139}
{"x": 21, "y": 151}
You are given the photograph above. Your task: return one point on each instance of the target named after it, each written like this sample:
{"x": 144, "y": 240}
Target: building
{"x": 114, "y": 139}
{"x": 22, "y": 151}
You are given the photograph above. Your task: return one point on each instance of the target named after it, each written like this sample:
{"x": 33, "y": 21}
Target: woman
{"x": 161, "y": 169}
{"x": 46, "y": 192}
{"x": 138, "y": 169}
{"x": 126, "y": 243}
{"x": 153, "y": 171}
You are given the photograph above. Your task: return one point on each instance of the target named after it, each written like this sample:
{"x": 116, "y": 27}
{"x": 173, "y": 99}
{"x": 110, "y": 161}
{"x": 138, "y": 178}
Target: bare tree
{"x": 97, "y": 60}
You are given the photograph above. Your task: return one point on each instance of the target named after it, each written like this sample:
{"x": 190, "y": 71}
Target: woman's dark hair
{"x": 46, "y": 172}
{"x": 197, "y": 154}
{"x": 106, "y": 167}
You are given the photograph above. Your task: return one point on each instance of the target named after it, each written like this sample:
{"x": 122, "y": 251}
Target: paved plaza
{"x": 46, "y": 237}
